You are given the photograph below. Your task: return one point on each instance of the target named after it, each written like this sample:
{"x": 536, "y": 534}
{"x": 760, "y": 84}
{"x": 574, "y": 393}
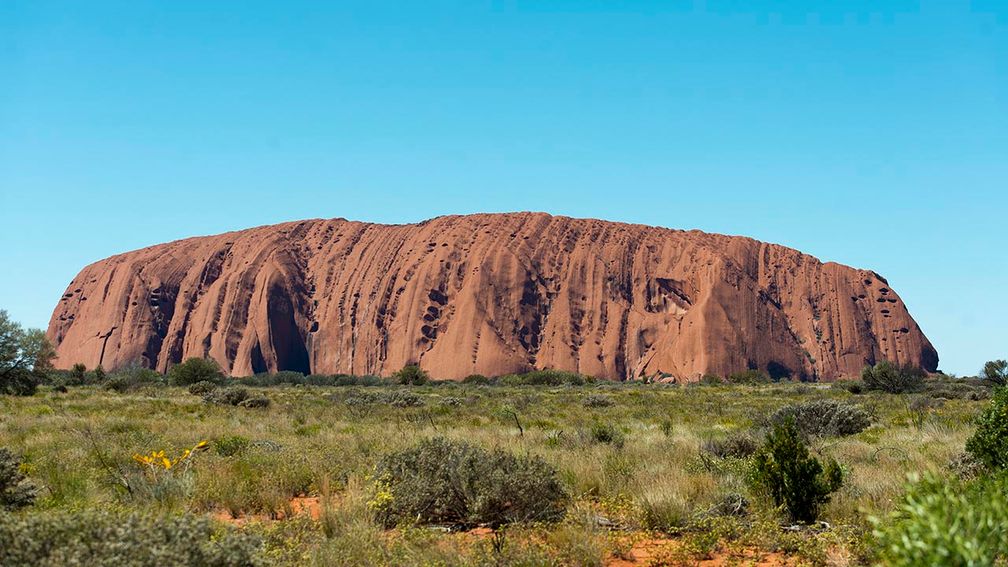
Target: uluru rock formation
{"x": 488, "y": 294}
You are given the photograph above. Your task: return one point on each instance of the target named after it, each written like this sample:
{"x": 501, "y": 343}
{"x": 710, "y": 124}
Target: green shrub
{"x": 103, "y": 538}
{"x": 230, "y": 396}
{"x": 230, "y": 445}
{"x": 824, "y": 418}
{"x": 16, "y": 491}
{"x": 78, "y": 373}
{"x": 989, "y": 443}
{"x": 395, "y": 398}
{"x": 853, "y": 386}
{"x": 597, "y": 401}
{"x": 751, "y": 377}
{"x": 195, "y": 370}
{"x": 947, "y": 521}
{"x": 476, "y": 380}
{"x": 453, "y": 482}
{"x": 130, "y": 378}
{"x": 739, "y": 446}
{"x": 257, "y": 402}
{"x": 202, "y": 387}
{"x": 411, "y": 374}
{"x": 784, "y": 470}
{"x": 711, "y": 380}
{"x": 606, "y": 433}
{"x": 887, "y": 377}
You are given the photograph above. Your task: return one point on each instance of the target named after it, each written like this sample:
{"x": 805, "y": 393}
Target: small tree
{"x": 195, "y": 370}
{"x": 784, "y": 470}
{"x": 888, "y": 377}
{"x": 411, "y": 374}
{"x": 25, "y": 357}
{"x": 989, "y": 443}
{"x": 995, "y": 371}
{"x": 78, "y": 372}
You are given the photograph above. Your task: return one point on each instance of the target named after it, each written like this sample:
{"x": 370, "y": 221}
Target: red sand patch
{"x": 310, "y": 506}
{"x": 657, "y": 551}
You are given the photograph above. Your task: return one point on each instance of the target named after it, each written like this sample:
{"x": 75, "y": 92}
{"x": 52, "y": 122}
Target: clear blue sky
{"x": 873, "y": 137}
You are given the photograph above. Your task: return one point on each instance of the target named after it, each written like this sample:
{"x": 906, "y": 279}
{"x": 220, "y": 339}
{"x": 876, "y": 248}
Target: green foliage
{"x": 996, "y": 372}
{"x": 78, "y": 373}
{"x": 824, "y": 417}
{"x": 606, "y": 433}
{"x": 130, "y": 378}
{"x": 137, "y": 540}
{"x": 751, "y": 377}
{"x": 784, "y": 470}
{"x": 989, "y": 443}
{"x": 230, "y": 396}
{"x": 202, "y": 388}
{"x": 231, "y": 445}
{"x": 411, "y": 374}
{"x": 947, "y": 521}
{"x": 888, "y": 377}
{"x": 711, "y": 380}
{"x": 25, "y": 357}
{"x": 476, "y": 380}
{"x": 395, "y": 398}
{"x": 16, "y": 491}
{"x": 453, "y": 482}
{"x": 256, "y": 402}
{"x": 597, "y": 401}
{"x": 739, "y": 445}
{"x": 195, "y": 370}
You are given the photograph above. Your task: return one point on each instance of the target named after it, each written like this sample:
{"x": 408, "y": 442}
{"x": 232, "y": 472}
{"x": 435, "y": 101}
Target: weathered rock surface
{"x": 488, "y": 294}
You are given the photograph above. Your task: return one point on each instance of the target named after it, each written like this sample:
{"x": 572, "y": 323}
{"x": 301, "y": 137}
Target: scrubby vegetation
{"x": 888, "y": 377}
{"x": 784, "y": 470}
{"x": 452, "y": 482}
{"x": 824, "y": 417}
{"x": 55, "y": 539}
{"x": 557, "y": 468}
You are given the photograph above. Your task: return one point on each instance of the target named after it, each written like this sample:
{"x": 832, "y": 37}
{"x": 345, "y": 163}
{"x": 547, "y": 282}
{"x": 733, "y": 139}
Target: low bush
{"x": 257, "y": 402}
{"x": 195, "y": 370}
{"x": 476, "y": 380}
{"x": 822, "y": 418}
{"x": 202, "y": 387}
{"x": 16, "y": 491}
{"x": 739, "y": 446}
{"x": 230, "y": 445}
{"x": 606, "y": 433}
{"x": 131, "y": 378}
{"x": 411, "y": 375}
{"x": 888, "y": 377}
{"x": 711, "y": 380}
{"x": 751, "y": 377}
{"x": 137, "y": 540}
{"x": 853, "y": 386}
{"x": 543, "y": 378}
{"x": 395, "y": 398}
{"x": 452, "y": 482}
{"x": 947, "y": 521}
{"x": 230, "y": 396}
{"x": 784, "y": 471}
{"x": 989, "y": 443}
{"x": 597, "y": 401}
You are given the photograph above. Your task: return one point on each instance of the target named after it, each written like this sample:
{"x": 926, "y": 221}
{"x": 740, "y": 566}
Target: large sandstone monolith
{"x": 487, "y": 294}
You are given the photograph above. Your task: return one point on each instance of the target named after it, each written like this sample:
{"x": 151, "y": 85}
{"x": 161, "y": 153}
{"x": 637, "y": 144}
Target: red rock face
{"x": 488, "y": 294}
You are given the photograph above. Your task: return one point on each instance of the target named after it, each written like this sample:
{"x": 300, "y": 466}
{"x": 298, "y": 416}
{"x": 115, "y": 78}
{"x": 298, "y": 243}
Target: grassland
{"x": 645, "y": 486}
